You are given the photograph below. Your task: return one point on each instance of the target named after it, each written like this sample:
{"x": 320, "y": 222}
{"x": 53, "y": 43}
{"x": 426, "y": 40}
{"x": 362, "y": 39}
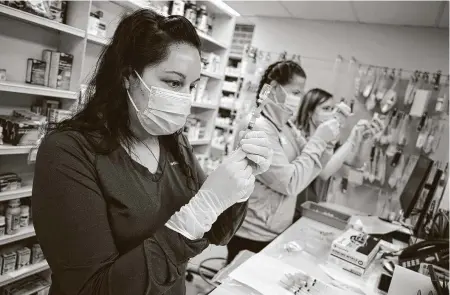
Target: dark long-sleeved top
{"x": 100, "y": 219}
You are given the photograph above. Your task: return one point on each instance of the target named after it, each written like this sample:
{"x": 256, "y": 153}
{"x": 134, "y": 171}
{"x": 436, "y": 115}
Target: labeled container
{"x": 24, "y": 216}
{"x": 202, "y": 19}
{"x": 36, "y": 72}
{"x": 9, "y": 262}
{"x": 23, "y": 257}
{"x": 325, "y": 215}
{"x": 177, "y": 7}
{"x": 36, "y": 254}
{"x": 2, "y": 225}
{"x": 13, "y": 217}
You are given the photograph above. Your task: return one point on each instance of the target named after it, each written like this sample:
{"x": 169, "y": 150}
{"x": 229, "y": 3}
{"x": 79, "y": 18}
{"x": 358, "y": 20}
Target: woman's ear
{"x": 126, "y": 82}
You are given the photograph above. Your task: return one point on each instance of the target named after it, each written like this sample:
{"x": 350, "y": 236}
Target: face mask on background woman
{"x": 166, "y": 111}
{"x": 322, "y": 113}
{"x": 291, "y": 102}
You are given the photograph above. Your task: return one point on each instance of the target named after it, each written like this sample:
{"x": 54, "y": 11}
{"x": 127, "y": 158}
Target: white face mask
{"x": 291, "y": 101}
{"x": 166, "y": 111}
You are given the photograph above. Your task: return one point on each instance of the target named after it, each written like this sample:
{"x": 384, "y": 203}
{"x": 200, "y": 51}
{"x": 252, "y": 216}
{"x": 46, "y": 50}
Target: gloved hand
{"x": 328, "y": 131}
{"x": 341, "y": 112}
{"x": 356, "y": 135}
{"x": 256, "y": 145}
{"x": 376, "y": 126}
{"x": 231, "y": 182}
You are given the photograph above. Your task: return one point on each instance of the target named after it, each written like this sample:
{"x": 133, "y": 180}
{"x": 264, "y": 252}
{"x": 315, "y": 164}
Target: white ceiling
{"x": 402, "y": 13}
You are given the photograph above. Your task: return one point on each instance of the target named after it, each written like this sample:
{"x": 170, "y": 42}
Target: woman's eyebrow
{"x": 177, "y": 73}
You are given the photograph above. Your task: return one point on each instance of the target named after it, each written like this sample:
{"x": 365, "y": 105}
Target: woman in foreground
{"x": 120, "y": 203}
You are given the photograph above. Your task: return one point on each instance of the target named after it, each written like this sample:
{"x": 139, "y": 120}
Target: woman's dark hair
{"x": 310, "y": 101}
{"x": 141, "y": 39}
{"x": 281, "y": 71}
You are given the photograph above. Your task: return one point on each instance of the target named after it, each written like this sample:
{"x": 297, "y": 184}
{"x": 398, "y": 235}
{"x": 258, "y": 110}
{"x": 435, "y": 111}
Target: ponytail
{"x": 282, "y": 72}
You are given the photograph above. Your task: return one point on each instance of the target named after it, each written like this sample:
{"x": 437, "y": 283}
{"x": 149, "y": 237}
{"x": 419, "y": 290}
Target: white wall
{"x": 409, "y": 48}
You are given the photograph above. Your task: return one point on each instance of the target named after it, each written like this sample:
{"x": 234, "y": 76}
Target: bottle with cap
{"x": 24, "y": 215}
{"x": 13, "y": 217}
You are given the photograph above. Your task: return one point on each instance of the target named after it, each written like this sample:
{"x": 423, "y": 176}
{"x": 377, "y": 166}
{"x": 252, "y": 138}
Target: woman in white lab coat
{"x": 295, "y": 162}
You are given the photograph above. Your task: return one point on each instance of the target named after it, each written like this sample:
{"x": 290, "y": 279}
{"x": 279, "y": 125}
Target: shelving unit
{"x": 22, "y": 192}
{"x": 24, "y": 233}
{"x": 23, "y": 273}
{"x": 28, "y": 35}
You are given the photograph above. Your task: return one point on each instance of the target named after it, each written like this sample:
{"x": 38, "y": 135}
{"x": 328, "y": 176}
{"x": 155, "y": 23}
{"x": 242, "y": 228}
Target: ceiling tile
{"x": 444, "y": 18}
{"x": 408, "y": 13}
{"x": 259, "y": 8}
{"x": 321, "y": 10}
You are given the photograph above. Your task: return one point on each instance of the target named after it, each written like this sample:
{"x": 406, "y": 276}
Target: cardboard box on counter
{"x": 353, "y": 251}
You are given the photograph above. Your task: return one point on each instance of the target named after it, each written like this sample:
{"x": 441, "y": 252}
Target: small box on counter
{"x": 35, "y": 72}
{"x": 33, "y": 285}
{"x": 353, "y": 251}
{"x": 60, "y": 70}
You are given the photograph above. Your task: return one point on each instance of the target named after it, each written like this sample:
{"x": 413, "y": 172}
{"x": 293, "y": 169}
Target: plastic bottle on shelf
{"x": 24, "y": 215}
{"x": 177, "y": 7}
{"x": 13, "y": 217}
{"x": 190, "y": 12}
{"x": 2, "y": 225}
{"x": 202, "y": 19}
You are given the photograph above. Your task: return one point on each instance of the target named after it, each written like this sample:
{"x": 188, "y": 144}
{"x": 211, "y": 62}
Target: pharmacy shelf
{"x": 210, "y": 40}
{"x": 232, "y": 75}
{"x": 235, "y": 56}
{"x": 22, "y": 192}
{"x": 212, "y": 75}
{"x": 23, "y": 273}
{"x": 200, "y": 105}
{"x": 7, "y": 149}
{"x": 16, "y": 87}
{"x": 199, "y": 141}
{"x": 40, "y": 21}
{"x": 98, "y": 40}
{"x": 24, "y": 233}
{"x": 131, "y": 4}
{"x": 223, "y": 126}
{"x": 229, "y": 90}
{"x": 227, "y": 108}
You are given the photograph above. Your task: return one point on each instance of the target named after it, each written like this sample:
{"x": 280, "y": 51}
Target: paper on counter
{"x": 264, "y": 273}
{"x": 405, "y": 281}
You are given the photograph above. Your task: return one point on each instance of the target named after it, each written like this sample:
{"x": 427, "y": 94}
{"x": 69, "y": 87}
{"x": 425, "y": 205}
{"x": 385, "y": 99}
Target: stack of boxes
{"x": 353, "y": 251}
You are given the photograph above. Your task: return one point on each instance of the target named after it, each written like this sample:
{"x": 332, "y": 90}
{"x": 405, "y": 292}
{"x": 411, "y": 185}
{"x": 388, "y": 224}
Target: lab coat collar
{"x": 276, "y": 114}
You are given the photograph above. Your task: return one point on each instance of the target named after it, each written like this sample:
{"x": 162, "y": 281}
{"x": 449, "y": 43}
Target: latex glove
{"x": 356, "y": 135}
{"x": 376, "y": 127}
{"x": 256, "y": 145}
{"x": 341, "y": 112}
{"x": 231, "y": 182}
{"x": 328, "y": 131}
